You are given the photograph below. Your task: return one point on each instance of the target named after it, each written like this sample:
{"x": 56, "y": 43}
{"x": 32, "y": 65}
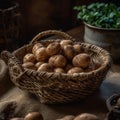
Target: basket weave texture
{"x": 55, "y": 87}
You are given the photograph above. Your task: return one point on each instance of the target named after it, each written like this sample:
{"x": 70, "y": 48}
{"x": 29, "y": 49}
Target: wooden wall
{"x": 39, "y": 15}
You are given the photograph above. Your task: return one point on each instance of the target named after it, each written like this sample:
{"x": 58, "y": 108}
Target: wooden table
{"x": 95, "y": 104}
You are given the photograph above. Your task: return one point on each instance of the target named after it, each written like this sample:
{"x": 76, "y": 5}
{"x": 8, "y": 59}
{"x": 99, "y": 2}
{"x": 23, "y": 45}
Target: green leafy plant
{"x": 104, "y": 15}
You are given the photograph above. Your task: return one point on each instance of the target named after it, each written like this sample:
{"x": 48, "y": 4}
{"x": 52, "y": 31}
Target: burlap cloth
{"x": 17, "y": 103}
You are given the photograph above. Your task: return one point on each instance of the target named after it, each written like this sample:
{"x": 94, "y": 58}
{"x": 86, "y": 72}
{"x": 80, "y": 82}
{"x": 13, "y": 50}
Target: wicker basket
{"x": 55, "y": 87}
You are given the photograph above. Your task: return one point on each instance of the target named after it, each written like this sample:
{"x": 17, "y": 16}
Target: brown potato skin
{"x": 66, "y": 42}
{"x": 75, "y": 70}
{"x": 57, "y": 61}
{"x": 67, "y": 117}
{"x": 81, "y": 60}
{"x": 34, "y": 116}
{"x": 78, "y": 48}
{"x": 86, "y": 116}
{"x": 69, "y": 51}
{"x": 37, "y": 65}
{"x": 29, "y": 57}
{"x": 59, "y": 70}
{"x": 41, "y": 54}
{"x": 45, "y": 67}
{"x": 53, "y": 48}
{"x": 29, "y": 65}
{"x": 36, "y": 46}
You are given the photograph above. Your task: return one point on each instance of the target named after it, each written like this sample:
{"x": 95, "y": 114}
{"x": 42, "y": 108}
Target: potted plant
{"x": 102, "y": 25}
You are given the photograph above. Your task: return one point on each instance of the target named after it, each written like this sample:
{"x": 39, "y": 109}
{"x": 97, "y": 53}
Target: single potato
{"x": 78, "y": 48}
{"x": 57, "y": 61}
{"x": 36, "y": 46}
{"x": 34, "y": 116}
{"x": 53, "y": 48}
{"x": 67, "y": 117}
{"x": 37, "y": 65}
{"x": 45, "y": 67}
{"x": 81, "y": 60}
{"x": 29, "y": 65}
{"x": 86, "y": 116}
{"x": 75, "y": 70}
{"x": 29, "y": 58}
{"x": 66, "y": 42}
{"x": 59, "y": 70}
{"x": 68, "y": 51}
{"x": 41, "y": 54}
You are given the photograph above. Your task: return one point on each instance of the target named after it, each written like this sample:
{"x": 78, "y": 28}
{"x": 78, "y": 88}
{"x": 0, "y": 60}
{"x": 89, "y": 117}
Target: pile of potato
{"x": 83, "y": 116}
{"x": 30, "y": 116}
{"x": 60, "y": 57}
{"x": 38, "y": 116}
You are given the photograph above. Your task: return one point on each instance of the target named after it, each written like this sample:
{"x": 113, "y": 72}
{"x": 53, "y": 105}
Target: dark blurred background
{"x": 39, "y": 15}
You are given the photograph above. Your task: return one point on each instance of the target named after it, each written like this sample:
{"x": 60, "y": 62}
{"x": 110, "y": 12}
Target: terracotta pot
{"x": 108, "y": 39}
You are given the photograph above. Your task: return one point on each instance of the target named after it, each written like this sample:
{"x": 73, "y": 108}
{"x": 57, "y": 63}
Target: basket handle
{"x": 50, "y": 32}
{"x": 13, "y": 63}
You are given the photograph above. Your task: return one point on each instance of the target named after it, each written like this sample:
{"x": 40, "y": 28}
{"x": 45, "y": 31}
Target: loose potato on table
{"x": 86, "y": 116}
{"x": 67, "y": 117}
{"x": 34, "y": 116}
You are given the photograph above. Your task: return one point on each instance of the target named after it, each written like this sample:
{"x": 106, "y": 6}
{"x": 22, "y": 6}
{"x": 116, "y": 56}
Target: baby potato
{"x": 75, "y": 70}
{"x": 66, "y": 42}
{"x": 86, "y": 116}
{"x": 34, "y": 116}
{"x": 69, "y": 51}
{"x": 29, "y": 58}
{"x": 37, "y": 65}
{"x": 41, "y": 54}
{"x": 81, "y": 60}
{"x": 78, "y": 48}
{"x": 57, "y": 61}
{"x": 45, "y": 67}
{"x": 67, "y": 117}
{"x": 53, "y": 48}
{"x": 59, "y": 70}
{"x": 29, "y": 65}
{"x": 36, "y": 46}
